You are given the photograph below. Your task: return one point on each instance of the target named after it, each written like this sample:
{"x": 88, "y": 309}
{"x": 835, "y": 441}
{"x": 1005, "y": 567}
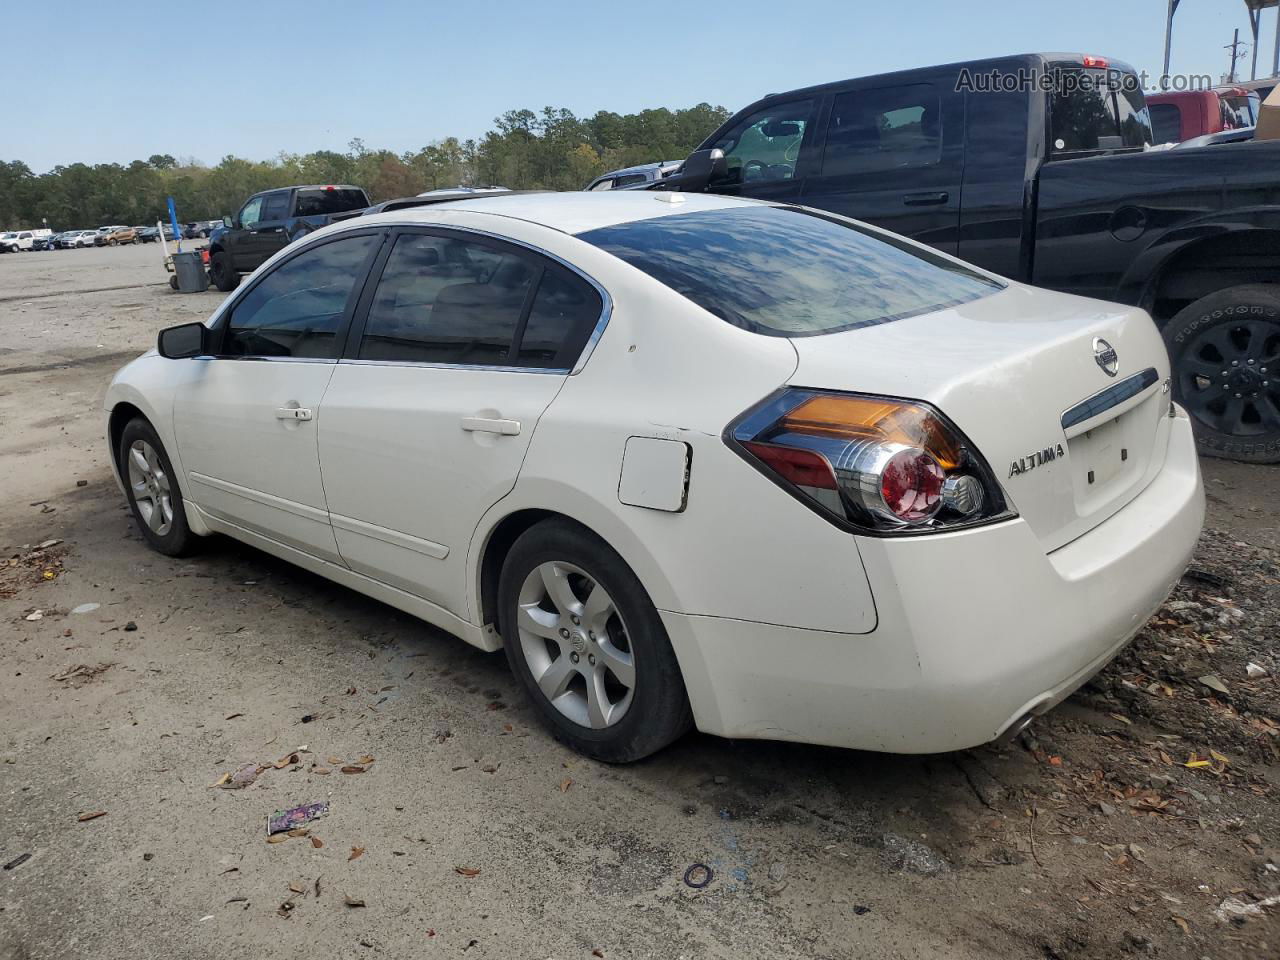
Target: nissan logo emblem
{"x": 1106, "y": 356}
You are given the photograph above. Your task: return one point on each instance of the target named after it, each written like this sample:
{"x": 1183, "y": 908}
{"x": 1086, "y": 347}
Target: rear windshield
{"x": 784, "y": 272}
{"x": 318, "y": 203}
{"x": 1094, "y": 110}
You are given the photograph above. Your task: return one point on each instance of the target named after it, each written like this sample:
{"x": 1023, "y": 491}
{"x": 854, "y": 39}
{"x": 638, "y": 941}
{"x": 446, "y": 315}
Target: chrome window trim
{"x": 1110, "y": 398}
{"x": 562, "y": 371}
{"x": 606, "y": 311}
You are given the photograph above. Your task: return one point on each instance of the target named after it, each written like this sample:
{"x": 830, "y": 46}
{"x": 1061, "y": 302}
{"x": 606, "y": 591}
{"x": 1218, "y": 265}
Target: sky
{"x": 123, "y": 79}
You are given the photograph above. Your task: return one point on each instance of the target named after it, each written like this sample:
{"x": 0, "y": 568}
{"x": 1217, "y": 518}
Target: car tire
{"x": 151, "y": 487}
{"x": 222, "y": 273}
{"x": 1225, "y": 352}
{"x": 568, "y": 665}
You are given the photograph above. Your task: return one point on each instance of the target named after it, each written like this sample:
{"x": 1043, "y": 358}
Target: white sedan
{"x": 692, "y": 461}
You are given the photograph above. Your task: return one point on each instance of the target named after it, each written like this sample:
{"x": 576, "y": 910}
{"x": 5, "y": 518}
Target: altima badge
{"x": 1105, "y": 354}
{"x": 1038, "y": 459}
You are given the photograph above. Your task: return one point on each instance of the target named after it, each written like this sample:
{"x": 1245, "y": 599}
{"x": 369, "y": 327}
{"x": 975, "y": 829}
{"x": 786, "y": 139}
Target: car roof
{"x": 575, "y": 212}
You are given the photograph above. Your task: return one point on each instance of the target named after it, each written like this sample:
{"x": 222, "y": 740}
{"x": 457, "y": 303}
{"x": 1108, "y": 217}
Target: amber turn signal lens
{"x": 876, "y": 419}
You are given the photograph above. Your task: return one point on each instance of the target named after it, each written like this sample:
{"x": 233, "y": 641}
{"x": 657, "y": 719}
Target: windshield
{"x": 784, "y": 272}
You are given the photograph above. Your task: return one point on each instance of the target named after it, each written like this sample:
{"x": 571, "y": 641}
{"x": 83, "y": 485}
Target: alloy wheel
{"x": 576, "y": 645}
{"x": 149, "y": 485}
{"x": 1230, "y": 377}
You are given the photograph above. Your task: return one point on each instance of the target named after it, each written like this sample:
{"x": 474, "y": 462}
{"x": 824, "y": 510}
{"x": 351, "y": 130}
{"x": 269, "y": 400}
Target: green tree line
{"x": 551, "y": 150}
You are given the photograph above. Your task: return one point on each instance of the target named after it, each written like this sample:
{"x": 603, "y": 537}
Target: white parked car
{"x": 84, "y": 238}
{"x": 691, "y": 460}
{"x": 16, "y": 241}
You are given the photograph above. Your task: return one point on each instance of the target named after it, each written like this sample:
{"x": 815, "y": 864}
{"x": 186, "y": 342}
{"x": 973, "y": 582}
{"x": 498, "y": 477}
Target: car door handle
{"x": 505, "y": 428}
{"x": 293, "y": 413}
{"x": 926, "y": 199}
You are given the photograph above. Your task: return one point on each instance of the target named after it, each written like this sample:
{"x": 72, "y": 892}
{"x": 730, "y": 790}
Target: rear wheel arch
{"x": 1209, "y": 265}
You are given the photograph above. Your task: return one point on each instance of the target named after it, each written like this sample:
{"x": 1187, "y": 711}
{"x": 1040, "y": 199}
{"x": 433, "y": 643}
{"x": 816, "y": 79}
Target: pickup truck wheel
{"x": 1225, "y": 350}
{"x": 221, "y": 272}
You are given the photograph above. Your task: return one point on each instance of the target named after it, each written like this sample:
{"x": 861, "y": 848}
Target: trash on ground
{"x": 92, "y": 815}
{"x": 35, "y": 615}
{"x": 86, "y": 608}
{"x": 1255, "y": 670}
{"x": 1215, "y": 683}
{"x": 353, "y": 901}
{"x": 467, "y": 871}
{"x": 17, "y": 861}
{"x": 1233, "y": 907}
{"x": 698, "y": 876}
{"x": 81, "y": 671}
{"x": 285, "y": 820}
{"x": 902, "y": 853}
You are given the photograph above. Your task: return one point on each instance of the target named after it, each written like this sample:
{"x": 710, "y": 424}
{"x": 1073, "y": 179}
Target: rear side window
{"x": 887, "y": 129}
{"x": 319, "y": 203}
{"x": 564, "y": 312}
{"x": 779, "y": 271}
{"x": 1166, "y": 123}
{"x": 297, "y": 309}
{"x": 445, "y": 300}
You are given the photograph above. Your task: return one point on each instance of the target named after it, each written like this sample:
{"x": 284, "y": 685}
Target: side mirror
{"x": 701, "y": 168}
{"x": 183, "y": 341}
{"x": 228, "y": 222}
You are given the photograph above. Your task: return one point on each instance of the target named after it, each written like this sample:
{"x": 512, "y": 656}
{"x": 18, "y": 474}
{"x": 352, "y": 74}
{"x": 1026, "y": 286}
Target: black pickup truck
{"x": 271, "y": 220}
{"x": 1039, "y": 167}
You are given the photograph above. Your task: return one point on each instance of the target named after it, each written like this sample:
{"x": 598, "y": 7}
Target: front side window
{"x": 445, "y": 300}
{"x": 780, "y": 271}
{"x": 886, "y": 129}
{"x": 250, "y": 214}
{"x": 605, "y": 184}
{"x": 765, "y": 146}
{"x": 297, "y": 309}
{"x": 275, "y": 206}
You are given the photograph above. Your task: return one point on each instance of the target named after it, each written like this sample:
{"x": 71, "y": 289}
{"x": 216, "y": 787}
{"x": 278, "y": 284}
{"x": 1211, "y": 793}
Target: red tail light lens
{"x": 875, "y": 464}
{"x": 1092, "y": 62}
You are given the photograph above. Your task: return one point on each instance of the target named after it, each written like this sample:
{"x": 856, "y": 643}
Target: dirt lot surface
{"x": 1139, "y": 819}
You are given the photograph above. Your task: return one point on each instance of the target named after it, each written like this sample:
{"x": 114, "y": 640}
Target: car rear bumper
{"x": 977, "y": 630}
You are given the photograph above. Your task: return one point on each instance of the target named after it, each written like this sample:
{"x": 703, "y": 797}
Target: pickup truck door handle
{"x": 293, "y": 413}
{"x": 926, "y": 199}
{"x": 504, "y": 428}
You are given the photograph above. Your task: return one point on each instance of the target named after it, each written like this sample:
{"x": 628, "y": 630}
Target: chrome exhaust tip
{"x": 1011, "y": 732}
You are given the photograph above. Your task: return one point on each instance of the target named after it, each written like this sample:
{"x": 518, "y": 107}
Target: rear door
{"x": 457, "y": 351}
{"x": 246, "y": 418}
{"x": 894, "y": 156}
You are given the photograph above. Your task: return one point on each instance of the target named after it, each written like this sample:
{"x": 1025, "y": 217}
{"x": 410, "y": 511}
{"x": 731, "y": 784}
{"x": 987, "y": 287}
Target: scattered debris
{"x": 86, "y": 608}
{"x": 93, "y": 815}
{"x": 698, "y": 876}
{"x": 35, "y": 615}
{"x": 352, "y": 768}
{"x": 1255, "y": 670}
{"x": 356, "y": 853}
{"x": 902, "y": 853}
{"x": 1233, "y": 908}
{"x": 130, "y": 627}
{"x": 467, "y": 871}
{"x": 17, "y": 861}
{"x": 565, "y": 784}
{"x": 284, "y": 820}
{"x": 81, "y": 672}
{"x": 353, "y": 901}
{"x": 1215, "y": 683}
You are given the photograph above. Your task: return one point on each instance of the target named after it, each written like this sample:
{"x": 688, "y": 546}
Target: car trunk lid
{"x": 1026, "y": 376}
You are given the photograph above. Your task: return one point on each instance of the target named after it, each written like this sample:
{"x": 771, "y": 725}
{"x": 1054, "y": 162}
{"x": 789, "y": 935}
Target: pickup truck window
{"x": 297, "y": 308}
{"x": 319, "y": 203}
{"x": 886, "y": 129}
{"x": 251, "y": 213}
{"x": 766, "y": 145}
{"x": 275, "y": 206}
{"x": 786, "y": 272}
{"x": 1088, "y": 114}
{"x": 1166, "y": 123}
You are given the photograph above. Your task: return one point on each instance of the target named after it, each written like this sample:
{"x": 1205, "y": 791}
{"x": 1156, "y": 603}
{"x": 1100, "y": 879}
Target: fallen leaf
{"x": 598, "y": 953}
{"x": 1217, "y": 756}
{"x": 351, "y": 768}
{"x": 1055, "y": 761}
{"x": 353, "y": 902}
{"x": 317, "y": 843}
{"x": 91, "y": 816}
{"x": 1182, "y": 923}
{"x": 335, "y": 760}
{"x": 225, "y": 778}
{"x": 365, "y": 760}
{"x": 295, "y": 888}
{"x": 317, "y": 878}
{"x": 431, "y": 932}
{"x": 298, "y": 832}
{"x": 285, "y": 761}
{"x": 565, "y": 784}
{"x": 322, "y": 771}
{"x": 356, "y": 852}
{"x": 277, "y": 838}
{"x": 467, "y": 871}
{"x": 1213, "y": 682}
{"x": 233, "y": 716}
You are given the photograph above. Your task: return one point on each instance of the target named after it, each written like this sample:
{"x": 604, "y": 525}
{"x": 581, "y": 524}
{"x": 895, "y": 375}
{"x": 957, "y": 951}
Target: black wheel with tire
{"x": 585, "y": 640}
{"x": 222, "y": 273}
{"x": 1225, "y": 351}
{"x": 152, "y": 489}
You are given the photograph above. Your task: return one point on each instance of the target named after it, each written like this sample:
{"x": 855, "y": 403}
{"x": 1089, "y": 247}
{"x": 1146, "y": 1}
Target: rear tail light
{"x": 1094, "y": 63}
{"x": 873, "y": 464}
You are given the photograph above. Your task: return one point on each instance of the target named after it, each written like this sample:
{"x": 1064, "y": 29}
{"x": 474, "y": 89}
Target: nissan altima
{"x": 691, "y": 461}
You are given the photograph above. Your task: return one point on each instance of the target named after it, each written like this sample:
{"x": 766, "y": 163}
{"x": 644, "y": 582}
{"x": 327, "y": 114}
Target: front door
{"x": 894, "y": 156}
{"x": 453, "y": 357}
{"x": 245, "y": 244}
{"x": 246, "y": 420}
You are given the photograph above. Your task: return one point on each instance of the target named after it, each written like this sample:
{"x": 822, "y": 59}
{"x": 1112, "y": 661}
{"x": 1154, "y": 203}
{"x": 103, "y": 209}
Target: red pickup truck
{"x": 1193, "y": 113}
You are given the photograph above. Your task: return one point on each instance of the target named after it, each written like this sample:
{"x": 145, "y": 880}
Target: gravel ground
{"x": 1139, "y": 819}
